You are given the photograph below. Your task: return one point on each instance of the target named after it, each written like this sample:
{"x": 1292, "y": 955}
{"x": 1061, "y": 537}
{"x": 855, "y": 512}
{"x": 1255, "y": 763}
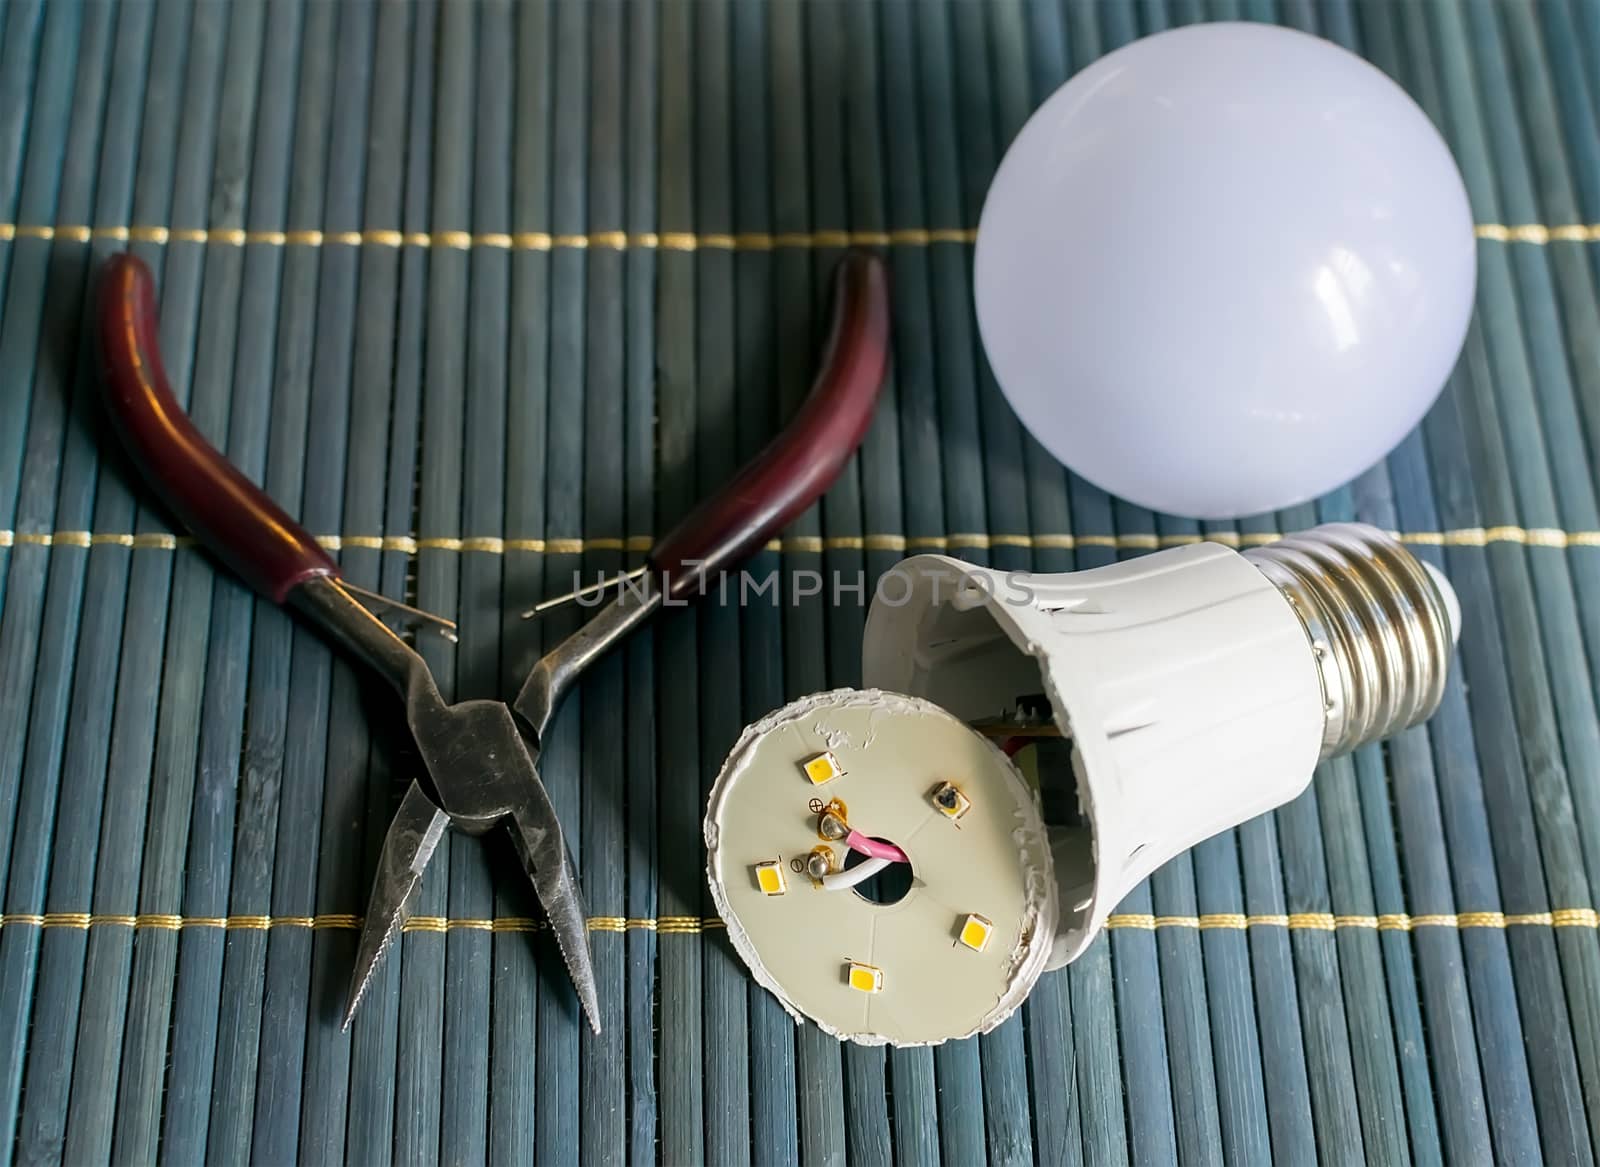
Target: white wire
{"x": 860, "y": 873}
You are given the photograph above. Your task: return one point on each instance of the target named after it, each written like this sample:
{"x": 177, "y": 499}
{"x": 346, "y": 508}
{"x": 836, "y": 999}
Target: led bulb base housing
{"x": 1197, "y": 686}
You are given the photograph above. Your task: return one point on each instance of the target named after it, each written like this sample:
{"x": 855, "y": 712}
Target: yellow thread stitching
{"x": 1527, "y": 918}
{"x": 1137, "y": 920}
{"x": 1313, "y": 921}
{"x": 158, "y": 922}
{"x": 1575, "y": 918}
{"x": 1355, "y": 921}
{"x": 1223, "y": 920}
{"x": 515, "y": 924}
{"x": 65, "y": 920}
{"x": 1177, "y": 921}
{"x": 1537, "y": 234}
{"x": 1546, "y": 537}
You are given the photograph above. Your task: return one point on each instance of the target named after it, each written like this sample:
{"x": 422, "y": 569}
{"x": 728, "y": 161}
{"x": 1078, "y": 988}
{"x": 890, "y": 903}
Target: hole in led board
{"x": 889, "y": 886}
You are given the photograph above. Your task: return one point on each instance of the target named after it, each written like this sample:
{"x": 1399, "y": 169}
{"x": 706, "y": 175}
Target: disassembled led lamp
{"x": 1198, "y": 687}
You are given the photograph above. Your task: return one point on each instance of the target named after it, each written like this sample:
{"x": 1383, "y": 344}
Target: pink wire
{"x": 873, "y": 849}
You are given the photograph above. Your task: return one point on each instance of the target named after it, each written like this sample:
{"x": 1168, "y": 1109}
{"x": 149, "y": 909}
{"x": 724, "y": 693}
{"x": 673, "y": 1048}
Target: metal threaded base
{"x": 1378, "y": 625}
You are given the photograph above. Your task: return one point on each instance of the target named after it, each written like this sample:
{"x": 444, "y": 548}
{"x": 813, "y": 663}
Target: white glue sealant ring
{"x": 959, "y": 951}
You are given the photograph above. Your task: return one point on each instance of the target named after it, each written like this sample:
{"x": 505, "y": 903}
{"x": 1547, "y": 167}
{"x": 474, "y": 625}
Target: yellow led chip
{"x": 769, "y": 877}
{"x": 950, "y": 802}
{"x": 822, "y": 768}
{"x": 975, "y": 932}
{"x": 865, "y": 978}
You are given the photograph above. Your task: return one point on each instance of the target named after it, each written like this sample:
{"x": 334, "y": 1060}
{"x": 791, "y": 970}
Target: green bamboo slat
{"x": 559, "y": 1020}
{"x": 48, "y": 110}
{"x": 318, "y": 360}
{"x": 819, "y": 1063}
{"x": 340, "y": 451}
{"x": 388, "y": 352}
{"x": 300, "y": 478}
{"x": 479, "y": 194}
{"x": 680, "y": 1047}
{"x": 231, "y": 1097}
{"x": 19, "y": 53}
{"x": 420, "y": 955}
{"x": 234, "y": 362}
{"x": 517, "y": 971}
{"x": 716, "y": 389}
{"x": 449, "y": 1065}
{"x": 485, "y": 202}
{"x": 602, "y": 1133}
{"x": 916, "y": 1110}
{"x": 153, "y": 994}
{"x": 333, "y": 1112}
{"x": 639, "y": 722}
{"x": 774, "y": 1122}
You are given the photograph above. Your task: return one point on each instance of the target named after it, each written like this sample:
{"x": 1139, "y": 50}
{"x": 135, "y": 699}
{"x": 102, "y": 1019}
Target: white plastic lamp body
{"x": 1224, "y": 269}
{"x": 1199, "y": 685}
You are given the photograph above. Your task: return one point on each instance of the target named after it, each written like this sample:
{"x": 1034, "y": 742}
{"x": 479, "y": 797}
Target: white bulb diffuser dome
{"x": 1197, "y": 687}
{"x": 1224, "y": 269}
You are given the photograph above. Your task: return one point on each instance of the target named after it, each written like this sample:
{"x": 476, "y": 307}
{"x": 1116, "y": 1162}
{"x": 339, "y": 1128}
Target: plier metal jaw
{"x": 480, "y": 757}
{"x": 480, "y": 774}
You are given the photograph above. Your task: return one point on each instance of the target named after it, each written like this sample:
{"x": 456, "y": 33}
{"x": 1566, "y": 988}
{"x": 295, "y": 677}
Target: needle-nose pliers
{"x": 479, "y": 756}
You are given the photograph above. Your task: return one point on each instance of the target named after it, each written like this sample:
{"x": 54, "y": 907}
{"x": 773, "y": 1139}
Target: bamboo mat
{"x": 487, "y": 294}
